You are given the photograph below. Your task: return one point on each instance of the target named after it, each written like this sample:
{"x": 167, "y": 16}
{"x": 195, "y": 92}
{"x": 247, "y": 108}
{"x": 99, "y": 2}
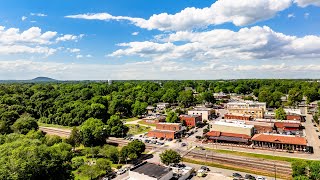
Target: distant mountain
{"x": 43, "y": 79}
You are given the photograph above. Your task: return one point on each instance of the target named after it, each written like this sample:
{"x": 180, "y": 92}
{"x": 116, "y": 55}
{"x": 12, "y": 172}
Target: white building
{"x": 236, "y": 127}
{"x": 161, "y": 106}
{"x": 206, "y": 113}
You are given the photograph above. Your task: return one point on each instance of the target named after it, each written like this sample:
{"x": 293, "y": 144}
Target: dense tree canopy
{"x": 72, "y": 103}
{"x": 93, "y": 132}
{"x": 170, "y": 156}
{"x": 27, "y": 157}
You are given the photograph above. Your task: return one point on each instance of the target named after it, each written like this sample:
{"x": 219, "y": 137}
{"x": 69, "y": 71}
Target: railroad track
{"x": 263, "y": 166}
{"x": 55, "y": 131}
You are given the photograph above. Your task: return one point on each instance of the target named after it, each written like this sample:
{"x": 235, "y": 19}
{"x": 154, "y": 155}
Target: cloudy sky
{"x": 167, "y": 39}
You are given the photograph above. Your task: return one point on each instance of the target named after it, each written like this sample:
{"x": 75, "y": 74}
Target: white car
{"x": 261, "y": 178}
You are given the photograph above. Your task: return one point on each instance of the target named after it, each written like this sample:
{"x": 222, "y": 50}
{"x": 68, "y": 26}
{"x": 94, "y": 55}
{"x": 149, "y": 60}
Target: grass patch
{"x": 55, "y": 126}
{"x": 233, "y": 168}
{"x": 136, "y": 129}
{"x": 144, "y": 123}
{"x": 129, "y": 119}
{"x": 254, "y": 155}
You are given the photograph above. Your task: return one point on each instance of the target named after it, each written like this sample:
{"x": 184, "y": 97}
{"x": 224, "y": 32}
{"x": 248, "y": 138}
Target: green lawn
{"x": 144, "y": 123}
{"x": 254, "y": 155}
{"x": 129, "y": 119}
{"x": 54, "y": 126}
{"x": 136, "y": 129}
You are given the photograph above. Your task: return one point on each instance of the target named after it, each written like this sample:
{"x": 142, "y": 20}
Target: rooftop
{"x": 233, "y": 124}
{"x": 282, "y": 139}
{"x": 285, "y": 124}
{"x": 165, "y": 123}
{"x": 247, "y": 102}
{"x": 191, "y": 115}
{"x": 151, "y": 170}
{"x": 218, "y": 133}
{"x": 237, "y": 114}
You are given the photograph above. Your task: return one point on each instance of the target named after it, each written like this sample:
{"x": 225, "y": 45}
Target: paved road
{"x": 136, "y": 122}
{"x": 312, "y": 136}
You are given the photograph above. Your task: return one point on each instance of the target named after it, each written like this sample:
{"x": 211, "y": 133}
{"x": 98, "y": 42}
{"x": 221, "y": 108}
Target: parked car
{"x": 261, "y": 178}
{"x": 201, "y": 173}
{"x": 205, "y": 168}
{"x": 317, "y": 130}
{"x": 170, "y": 139}
{"x": 249, "y": 177}
{"x": 161, "y": 138}
{"x": 183, "y": 144}
{"x": 236, "y": 175}
{"x": 121, "y": 171}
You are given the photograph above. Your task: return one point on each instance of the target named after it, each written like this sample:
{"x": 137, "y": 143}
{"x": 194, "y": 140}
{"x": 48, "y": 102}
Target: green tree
{"x": 116, "y": 128}
{"x": 50, "y": 140}
{"x": 110, "y": 152}
{"x": 280, "y": 114}
{"x": 24, "y": 124}
{"x": 91, "y": 171}
{"x": 139, "y": 108}
{"x": 299, "y": 168}
{"x": 93, "y": 132}
{"x": 172, "y": 117}
{"x": 185, "y": 98}
{"x": 295, "y": 96}
{"x": 170, "y": 156}
{"x": 77, "y": 162}
{"x": 75, "y": 137}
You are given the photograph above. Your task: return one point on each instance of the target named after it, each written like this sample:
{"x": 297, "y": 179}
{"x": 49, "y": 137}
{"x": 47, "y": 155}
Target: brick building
{"x": 276, "y": 141}
{"x": 166, "y": 130}
{"x": 295, "y": 118}
{"x": 169, "y": 126}
{"x": 191, "y": 120}
{"x": 223, "y": 137}
{"x": 284, "y": 126}
{"x": 238, "y": 117}
{"x": 162, "y": 134}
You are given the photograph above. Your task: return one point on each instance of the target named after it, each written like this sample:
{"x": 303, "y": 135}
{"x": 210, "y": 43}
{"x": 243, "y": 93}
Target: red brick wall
{"x": 294, "y": 117}
{"x": 159, "y": 134}
{"x": 191, "y": 121}
{"x": 230, "y": 116}
{"x": 263, "y": 129}
{"x": 170, "y": 127}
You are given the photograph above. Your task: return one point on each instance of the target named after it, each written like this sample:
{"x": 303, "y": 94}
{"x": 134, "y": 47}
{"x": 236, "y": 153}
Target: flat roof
{"x": 190, "y": 115}
{"x": 151, "y": 170}
{"x": 165, "y": 123}
{"x": 233, "y": 124}
{"x": 247, "y": 102}
{"x": 281, "y": 139}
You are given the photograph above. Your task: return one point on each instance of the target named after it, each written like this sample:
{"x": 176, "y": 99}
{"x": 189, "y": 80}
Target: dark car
{"x": 249, "y": 177}
{"x": 205, "y": 168}
{"x": 161, "y": 138}
{"x": 237, "y": 176}
{"x": 170, "y": 139}
{"x": 183, "y": 144}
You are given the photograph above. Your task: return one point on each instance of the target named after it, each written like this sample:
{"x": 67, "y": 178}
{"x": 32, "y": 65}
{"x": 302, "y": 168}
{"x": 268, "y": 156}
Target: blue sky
{"x": 143, "y": 39}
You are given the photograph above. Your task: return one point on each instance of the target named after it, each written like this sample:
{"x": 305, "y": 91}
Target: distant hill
{"x": 43, "y": 79}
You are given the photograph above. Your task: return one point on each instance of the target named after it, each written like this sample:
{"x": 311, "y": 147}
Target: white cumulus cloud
{"x": 246, "y": 44}
{"x": 305, "y": 3}
{"x": 240, "y": 13}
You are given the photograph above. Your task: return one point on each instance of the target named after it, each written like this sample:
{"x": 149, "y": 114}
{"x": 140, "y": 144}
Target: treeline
{"x": 71, "y": 104}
